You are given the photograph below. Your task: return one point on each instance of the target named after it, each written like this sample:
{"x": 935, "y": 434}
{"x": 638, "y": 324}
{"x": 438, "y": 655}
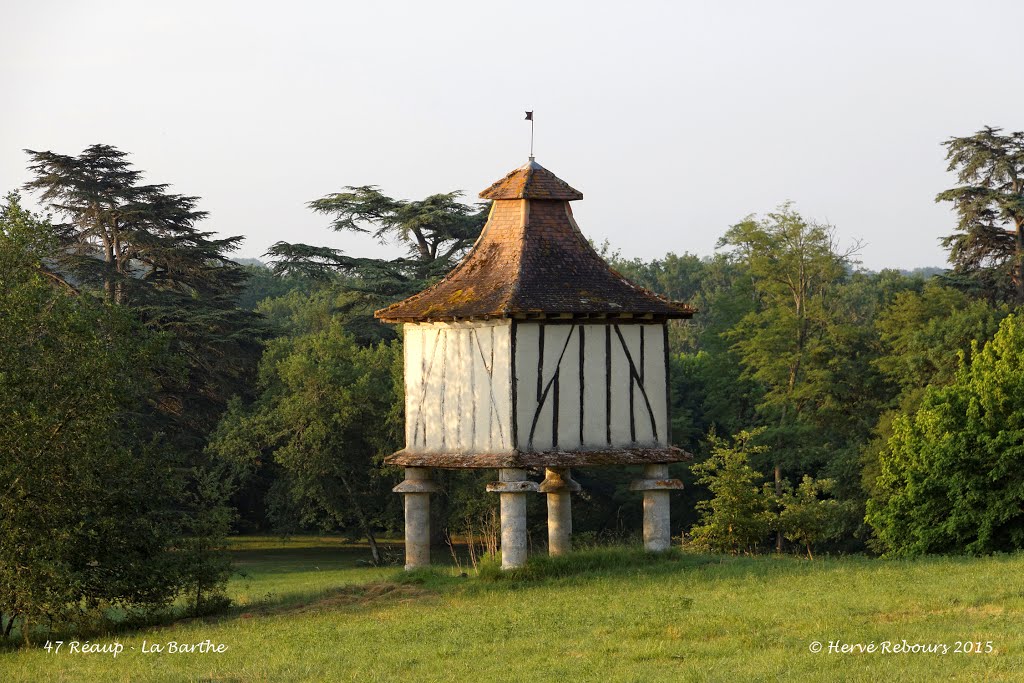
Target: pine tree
{"x": 138, "y": 245}
{"x": 987, "y": 251}
{"x": 435, "y": 232}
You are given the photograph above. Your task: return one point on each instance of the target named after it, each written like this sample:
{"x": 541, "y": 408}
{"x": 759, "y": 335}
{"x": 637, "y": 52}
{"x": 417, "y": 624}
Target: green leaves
{"x": 786, "y": 342}
{"x": 327, "y": 412}
{"x": 138, "y": 245}
{"x": 110, "y": 392}
{"x": 987, "y": 251}
{"x": 434, "y": 232}
{"x": 95, "y": 509}
{"x": 744, "y": 509}
{"x": 951, "y": 480}
{"x": 807, "y": 518}
{"x": 738, "y": 518}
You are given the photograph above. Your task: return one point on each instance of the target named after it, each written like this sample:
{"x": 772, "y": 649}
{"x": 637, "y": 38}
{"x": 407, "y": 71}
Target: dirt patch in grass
{"x": 985, "y": 610}
{"x": 347, "y": 596}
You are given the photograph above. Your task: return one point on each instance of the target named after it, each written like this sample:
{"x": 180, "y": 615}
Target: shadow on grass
{"x": 592, "y": 563}
{"x": 632, "y": 562}
{"x": 381, "y": 591}
{"x": 577, "y": 568}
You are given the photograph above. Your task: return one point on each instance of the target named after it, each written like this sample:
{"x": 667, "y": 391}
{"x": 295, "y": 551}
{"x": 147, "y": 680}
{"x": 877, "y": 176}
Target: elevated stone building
{"x": 532, "y": 354}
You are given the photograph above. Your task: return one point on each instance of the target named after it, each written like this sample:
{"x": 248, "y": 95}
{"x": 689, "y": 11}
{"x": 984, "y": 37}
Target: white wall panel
{"x": 595, "y": 413}
{"x": 623, "y": 368}
{"x": 458, "y": 380}
{"x": 458, "y": 387}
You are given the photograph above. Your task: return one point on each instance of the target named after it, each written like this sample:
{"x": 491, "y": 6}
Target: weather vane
{"x": 529, "y": 117}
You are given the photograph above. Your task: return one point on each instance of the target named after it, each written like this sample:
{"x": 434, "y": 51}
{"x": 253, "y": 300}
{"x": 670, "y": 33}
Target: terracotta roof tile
{"x": 530, "y": 260}
{"x": 531, "y": 181}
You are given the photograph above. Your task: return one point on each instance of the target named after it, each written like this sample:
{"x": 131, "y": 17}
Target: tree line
{"x": 161, "y": 395}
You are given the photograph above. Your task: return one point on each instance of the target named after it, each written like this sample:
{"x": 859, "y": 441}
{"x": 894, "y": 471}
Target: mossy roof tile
{"x": 531, "y": 259}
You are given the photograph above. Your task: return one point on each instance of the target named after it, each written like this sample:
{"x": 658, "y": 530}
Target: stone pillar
{"x": 656, "y": 486}
{"x": 416, "y": 488}
{"x": 558, "y": 485}
{"x": 513, "y": 486}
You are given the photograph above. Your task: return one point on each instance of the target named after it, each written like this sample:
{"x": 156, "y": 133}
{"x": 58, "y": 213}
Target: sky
{"x": 675, "y": 119}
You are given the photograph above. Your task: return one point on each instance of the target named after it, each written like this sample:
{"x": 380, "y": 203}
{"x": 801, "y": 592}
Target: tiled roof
{"x": 531, "y": 181}
{"x": 531, "y": 260}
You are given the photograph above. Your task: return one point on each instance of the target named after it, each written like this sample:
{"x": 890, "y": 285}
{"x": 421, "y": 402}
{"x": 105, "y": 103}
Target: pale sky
{"x": 675, "y": 119}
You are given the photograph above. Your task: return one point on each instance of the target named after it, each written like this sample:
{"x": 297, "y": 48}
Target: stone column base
{"x": 558, "y": 486}
{"x": 512, "y": 485}
{"x": 416, "y": 488}
{"x": 657, "y": 508}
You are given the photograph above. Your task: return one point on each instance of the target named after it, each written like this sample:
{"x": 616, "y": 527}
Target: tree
{"x": 737, "y": 518}
{"x": 807, "y": 518}
{"x": 794, "y": 267}
{"x": 435, "y": 232}
{"x": 987, "y": 251}
{"x": 125, "y": 237}
{"x": 95, "y": 510}
{"x": 327, "y": 412}
{"x": 262, "y": 284}
{"x": 951, "y": 479}
{"x": 138, "y": 245}
{"x": 921, "y": 333}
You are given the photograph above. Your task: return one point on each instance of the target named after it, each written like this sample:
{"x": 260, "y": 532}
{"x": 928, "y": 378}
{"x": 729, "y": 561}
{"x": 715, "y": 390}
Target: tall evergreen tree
{"x": 434, "y": 232}
{"x": 987, "y": 251}
{"x": 138, "y": 245}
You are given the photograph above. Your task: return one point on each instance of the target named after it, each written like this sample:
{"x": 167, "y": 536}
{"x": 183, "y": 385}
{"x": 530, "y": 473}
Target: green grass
{"x": 309, "y": 611}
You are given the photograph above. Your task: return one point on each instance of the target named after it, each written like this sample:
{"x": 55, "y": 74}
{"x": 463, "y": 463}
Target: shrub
{"x": 738, "y": 517}
{"x": 951, "y": 479}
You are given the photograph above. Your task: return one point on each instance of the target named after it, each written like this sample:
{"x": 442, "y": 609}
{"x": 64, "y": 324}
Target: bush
{"x": 738, "y": 516}
{"x": 951, "y": 479}
{"x": 806, "y": 519}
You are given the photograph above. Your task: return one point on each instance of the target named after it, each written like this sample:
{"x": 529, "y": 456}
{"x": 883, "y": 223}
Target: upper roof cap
{"x": 532, "y": 261}
{"x": 531, "y": 181}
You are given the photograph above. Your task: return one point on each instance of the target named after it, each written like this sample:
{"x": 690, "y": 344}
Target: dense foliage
{"x": 138, "y": 245}
{"x": 327, "y": 410}
{"x": 951, "y": 480}
{"x": 987, "y": 251}
{"x": 737, "y": 517}
{"x": 97, "y": 510}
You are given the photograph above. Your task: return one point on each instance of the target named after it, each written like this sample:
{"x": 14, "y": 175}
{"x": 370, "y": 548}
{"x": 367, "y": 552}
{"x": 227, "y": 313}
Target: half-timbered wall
{"x": 590, "y": 386}
{"x": 458, "y": 393}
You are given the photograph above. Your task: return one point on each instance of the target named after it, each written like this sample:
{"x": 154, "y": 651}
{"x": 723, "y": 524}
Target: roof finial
{"x": 529, "y": 117}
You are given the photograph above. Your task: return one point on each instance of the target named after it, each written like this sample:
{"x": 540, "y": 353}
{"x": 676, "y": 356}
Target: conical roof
{"x": 532, "y": 261}
{"x": 531, "y": 181}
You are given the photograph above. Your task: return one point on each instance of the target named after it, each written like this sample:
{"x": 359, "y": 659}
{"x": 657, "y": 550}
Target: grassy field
{"x": 308, "y": 610}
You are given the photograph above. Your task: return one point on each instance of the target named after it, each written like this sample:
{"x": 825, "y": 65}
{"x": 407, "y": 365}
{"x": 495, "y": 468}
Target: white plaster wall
{"x": 458, "y": 393}
{"x": 638, "y": 403}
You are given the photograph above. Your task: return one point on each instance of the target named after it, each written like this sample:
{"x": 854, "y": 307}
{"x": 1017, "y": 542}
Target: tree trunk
{"x": 374, "y": 550}
{"x": 1018, "y": 268}
{"x": 10, "y": 625}
{"x": 363, "y": 522}
{"x": 778, "y": 492}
